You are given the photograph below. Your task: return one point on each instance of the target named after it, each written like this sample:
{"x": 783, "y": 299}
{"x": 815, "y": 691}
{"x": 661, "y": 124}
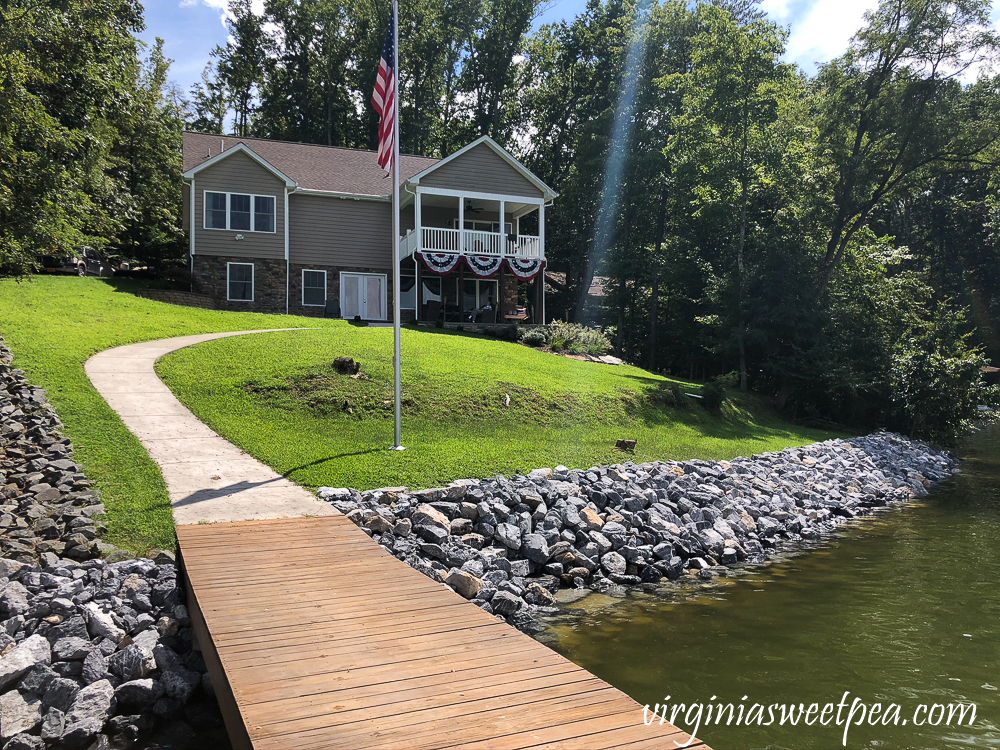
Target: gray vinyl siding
{"x": 185, "y": 207}
{"x": 340, "y": 232}
{"x": 482, "y": 170}
{"x": 239, "y": 174}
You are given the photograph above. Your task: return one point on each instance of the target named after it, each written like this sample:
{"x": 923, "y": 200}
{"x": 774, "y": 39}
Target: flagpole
{"x": 397, "y": 445}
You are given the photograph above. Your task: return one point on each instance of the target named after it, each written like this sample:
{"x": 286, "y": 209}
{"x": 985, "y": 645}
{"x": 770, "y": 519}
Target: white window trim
{"x": 252, "y": 279}
{"x": 385, "y": 292}
{"x": 253, "y": 212}
{"x": 326, "y": 286}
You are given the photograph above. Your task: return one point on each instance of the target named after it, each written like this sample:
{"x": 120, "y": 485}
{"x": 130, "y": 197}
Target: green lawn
{"x": 54, "y": 324}
{"x": 277, "y": 397}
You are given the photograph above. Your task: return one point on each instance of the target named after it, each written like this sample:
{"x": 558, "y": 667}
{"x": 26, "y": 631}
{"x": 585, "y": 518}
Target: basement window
{"x": 313, "y": 288}
{"x": 239, "y": 282}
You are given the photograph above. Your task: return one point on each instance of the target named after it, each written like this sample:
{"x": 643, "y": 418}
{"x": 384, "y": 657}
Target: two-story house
{"x": 304, "y": 229}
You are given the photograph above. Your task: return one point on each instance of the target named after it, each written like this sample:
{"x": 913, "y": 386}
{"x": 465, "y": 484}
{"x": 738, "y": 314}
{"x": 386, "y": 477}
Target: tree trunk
{"x": 586, "y": 279}
{"x": 654, "y": 308}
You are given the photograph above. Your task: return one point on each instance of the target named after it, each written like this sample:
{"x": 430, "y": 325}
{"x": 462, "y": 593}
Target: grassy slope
{"x": 562, "y": 411}
{"x": 53, "y": 325}
{"x": 278, "y": 398}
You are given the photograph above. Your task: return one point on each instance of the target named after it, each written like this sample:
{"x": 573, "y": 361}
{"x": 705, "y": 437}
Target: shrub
{"x": 670, "y": 395}
{"x": 534, "y": 337}
{"x": 713, "y": 395}
{"x": 559, "y": 335}
{"x": 439, "y": 323}
{"x": 509, "y": 333}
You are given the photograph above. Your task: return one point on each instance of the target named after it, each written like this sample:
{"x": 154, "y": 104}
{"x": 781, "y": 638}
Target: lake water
{"x": 902, "y": 608}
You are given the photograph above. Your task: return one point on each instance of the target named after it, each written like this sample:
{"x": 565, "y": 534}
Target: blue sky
{"x": 819, "y": 29}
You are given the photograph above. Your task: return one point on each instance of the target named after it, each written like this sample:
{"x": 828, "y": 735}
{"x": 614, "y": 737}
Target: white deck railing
{"x": 469, "y": 242}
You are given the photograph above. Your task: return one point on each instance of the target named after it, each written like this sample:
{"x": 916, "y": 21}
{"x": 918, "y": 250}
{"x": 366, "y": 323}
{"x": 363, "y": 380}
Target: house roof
{"x": 598, "y": 285}
{"x": 325, "y": 168}
{"x": 500, "y": 151}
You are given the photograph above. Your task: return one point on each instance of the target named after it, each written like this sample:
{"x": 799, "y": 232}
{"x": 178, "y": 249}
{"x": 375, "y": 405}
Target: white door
{"x": 362, "y": 294}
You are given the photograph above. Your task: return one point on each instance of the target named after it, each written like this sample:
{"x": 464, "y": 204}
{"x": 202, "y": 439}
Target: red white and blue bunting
{"x": 484, "y": 266}
{"x": 440, "y": 263}
{"x": 525, "y": 269}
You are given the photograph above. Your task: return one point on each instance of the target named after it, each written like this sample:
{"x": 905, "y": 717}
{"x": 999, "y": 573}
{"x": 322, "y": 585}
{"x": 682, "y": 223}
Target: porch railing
{"x": 469, "y": 242}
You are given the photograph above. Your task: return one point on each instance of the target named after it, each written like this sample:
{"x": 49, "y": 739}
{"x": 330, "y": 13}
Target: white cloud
{"x": 777, "y": 10}
{"x": 222, "y": 6}
{"x": 823, "y": 29}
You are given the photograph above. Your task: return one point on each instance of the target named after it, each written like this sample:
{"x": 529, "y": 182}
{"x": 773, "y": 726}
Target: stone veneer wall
{"x": 508, "y": 294}
{"x": 209, "y": 278}
{"x": 178, "y": 298}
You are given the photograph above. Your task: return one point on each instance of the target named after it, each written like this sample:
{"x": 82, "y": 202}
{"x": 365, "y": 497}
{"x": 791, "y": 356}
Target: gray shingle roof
{"x": 328, "y": 168}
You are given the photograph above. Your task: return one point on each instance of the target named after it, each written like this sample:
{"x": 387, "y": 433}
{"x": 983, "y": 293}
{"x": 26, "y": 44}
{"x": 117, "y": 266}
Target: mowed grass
{"x": 53, "y": 325}
{"x": 278, "y": 397}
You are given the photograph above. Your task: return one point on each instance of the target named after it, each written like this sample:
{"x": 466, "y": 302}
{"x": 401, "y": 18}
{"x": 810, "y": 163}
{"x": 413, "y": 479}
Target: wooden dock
{"x": 315, "y": 637}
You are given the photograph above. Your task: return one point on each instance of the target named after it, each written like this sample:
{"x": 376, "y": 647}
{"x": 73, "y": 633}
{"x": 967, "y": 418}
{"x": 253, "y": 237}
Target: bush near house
{"x": 573, "y": 338}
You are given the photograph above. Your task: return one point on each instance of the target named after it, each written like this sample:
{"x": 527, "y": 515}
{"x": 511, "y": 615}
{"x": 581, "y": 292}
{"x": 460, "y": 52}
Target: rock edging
{"x": 93, "y": 652}
{"x": 508, "y": 544}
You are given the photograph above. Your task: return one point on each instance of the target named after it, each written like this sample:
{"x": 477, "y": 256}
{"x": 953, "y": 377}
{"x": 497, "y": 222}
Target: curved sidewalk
{"x": 209, "y": 479}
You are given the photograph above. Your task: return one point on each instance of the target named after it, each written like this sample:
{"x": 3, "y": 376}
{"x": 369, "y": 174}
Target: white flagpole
{"x": 397, "y": 445}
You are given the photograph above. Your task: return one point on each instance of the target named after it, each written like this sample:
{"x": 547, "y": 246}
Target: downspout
{"x": 288, "y": 265}
{"x": 191, "y": 220}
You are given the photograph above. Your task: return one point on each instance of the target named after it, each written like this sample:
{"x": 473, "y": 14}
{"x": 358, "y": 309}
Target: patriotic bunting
{"x": 440, "y": 263}
{"x": 484, "y": 266}
{"x": 525, "y": 269}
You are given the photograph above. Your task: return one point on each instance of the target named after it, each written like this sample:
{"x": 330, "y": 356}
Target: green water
{"x": 904, "y": 608}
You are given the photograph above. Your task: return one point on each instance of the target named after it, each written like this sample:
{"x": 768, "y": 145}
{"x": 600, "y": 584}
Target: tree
{"x": 209, "y": 103}
{"x": 147, "y": 168}
{"x": 893, "y": 106}
{"x": 241, "y": 63}
{"x": 66, "y": 73}
{"x": 730, "y": 101}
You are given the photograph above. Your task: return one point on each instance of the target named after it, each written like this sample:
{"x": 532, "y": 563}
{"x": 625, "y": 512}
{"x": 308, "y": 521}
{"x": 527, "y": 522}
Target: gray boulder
{"x": 33, "y": 650}
{"x": 536, "y": 548}
{"x": 142, "y": 693}
{"x": 613, "y": 564}
{"x": 91, "y": 708}
{"x": 19, "y": 712}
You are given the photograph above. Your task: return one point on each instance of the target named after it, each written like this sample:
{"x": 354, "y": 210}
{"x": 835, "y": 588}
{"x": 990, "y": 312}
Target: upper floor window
{"x": 239, "y": 212}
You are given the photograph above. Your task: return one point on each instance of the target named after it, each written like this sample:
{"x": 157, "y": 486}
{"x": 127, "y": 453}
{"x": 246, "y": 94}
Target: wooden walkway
{"x": 317, "y": 638}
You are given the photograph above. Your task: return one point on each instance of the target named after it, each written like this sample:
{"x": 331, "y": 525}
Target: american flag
{"x": 384, "y": 98}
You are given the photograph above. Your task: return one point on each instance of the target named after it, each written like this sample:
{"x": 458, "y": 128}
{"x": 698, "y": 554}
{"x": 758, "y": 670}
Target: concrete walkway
{"x": 209, "y": 478}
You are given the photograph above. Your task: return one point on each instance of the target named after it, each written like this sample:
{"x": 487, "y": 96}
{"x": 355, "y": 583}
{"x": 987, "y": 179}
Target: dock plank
{"x": 323, "y": 640}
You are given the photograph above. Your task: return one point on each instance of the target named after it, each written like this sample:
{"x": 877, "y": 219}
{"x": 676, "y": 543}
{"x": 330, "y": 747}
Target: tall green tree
{"x": 894, "y": 107}
{"x": 66, "y": 74}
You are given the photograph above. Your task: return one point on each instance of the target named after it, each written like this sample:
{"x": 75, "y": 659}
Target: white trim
{"x": 253, "y": 212}
{"x": 303, "y": 285}
{"x": 191, "y": 215}
{"x": 241, "y": 148}
{"x": 541, "y": 242}
{"x": 252, "y": 279}
{"x": 344, "y": 196}
{"x": 506, "y": 197}
{"x": 288, "y": 265}
{"x": 385, "y": 284}
{"x": 503, "y": 153}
